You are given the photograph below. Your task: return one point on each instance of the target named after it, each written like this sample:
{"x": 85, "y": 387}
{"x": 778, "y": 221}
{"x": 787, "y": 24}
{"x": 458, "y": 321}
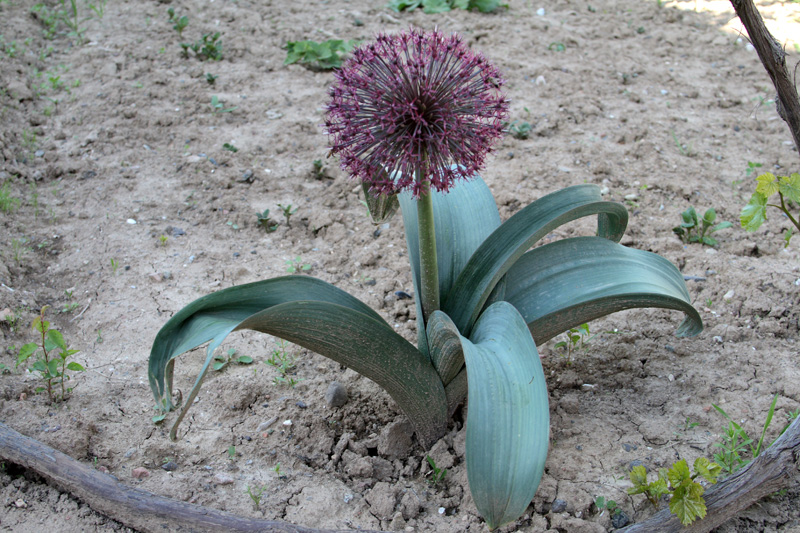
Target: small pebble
{"x": 728, "y": 295}
{"x": 619, "y": 519}
{"x": 140, "y": 473}
{"x": 170, "y": 466}
{"x": 402, "y": 295}
{"x": 265, "y": 425}
{"x": 336, "y": 395}
{"x": 559, "y": 506}
{"x": 222, "y": 479}
{"x": 301, "y": 404}
{"x": 629, "y": 447}
{"x": 131, "y": 221}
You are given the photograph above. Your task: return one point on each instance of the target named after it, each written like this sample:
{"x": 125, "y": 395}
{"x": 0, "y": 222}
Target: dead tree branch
{"x": 137, "y": 509}
{"x": 767, "y": 473}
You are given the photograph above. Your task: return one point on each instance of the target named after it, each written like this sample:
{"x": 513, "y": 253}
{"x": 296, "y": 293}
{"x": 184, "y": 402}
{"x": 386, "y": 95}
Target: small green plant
{"x": 520, "y": 130}
{"x": 229, "y": 147}
{"x": 686, "y": 495}
{"x": 114, "y": 266}
{"x": 8, "y": 204}
{"x": 163, "y": 239}
{"x": 735, "y": 439}
{"x": 266, "y": 222}
{"x": 788, "y": 190}
{"x": 70, "y": 16}
{"x": 277, "y": 470}
{"x": 179, "y": 23}
{"x": 325, "y": 55}
{"x": 694, "y": 230}
{"x": 231, "y": 452}
{"x": 287, "y": 212}
{"x": 209, "y": 47}
{"x": 319, "y": 166}
{"x": 284, "y": 363}
{"x": 69, "y": 305}
{"x": 436, "y": 475}
{"x": 557, "y": 46}
{"x": 577, "y": 341}
{"x": 752, "y": 167}
{"x": 19, "y": 249}
{"x": 98, "y": 9}
{"x": 296, "y": 265}
{"x": 603, "y": 504}
{"x": 52, "y": 358}
{"x": 684, "y": 149}
{"x": 255, "y": 495}
{"x": 220, "y": 361}
{"x": 442, "y": 6}
{"x": 218, "y": 107}
{"x": 211, "y": 78}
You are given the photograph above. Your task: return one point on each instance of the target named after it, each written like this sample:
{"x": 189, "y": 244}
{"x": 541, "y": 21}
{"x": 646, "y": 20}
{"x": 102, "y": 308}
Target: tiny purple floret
{"x": 415, "y": 110}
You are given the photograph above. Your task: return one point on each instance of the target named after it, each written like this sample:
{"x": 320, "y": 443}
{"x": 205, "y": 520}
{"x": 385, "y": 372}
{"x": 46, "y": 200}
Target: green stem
{"x": 429, "y": 268}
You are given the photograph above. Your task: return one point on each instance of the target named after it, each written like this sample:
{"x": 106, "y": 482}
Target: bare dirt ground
{"x": 122, "y": 206}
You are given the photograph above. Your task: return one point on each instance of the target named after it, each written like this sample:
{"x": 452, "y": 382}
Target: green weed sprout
{"x": 486, "y": 295}
{"x": 520, "y": 130}
{"x": 694, "y": 230}
{"x": 209, "y": 47}
{"x": 324, "y": 55}
{"x": 221, "y": 361}
{"x": 686, "y": 495}
{"x": 218, "y": 107}
{"x": 255, "y": 495}
{"x": 180, "y": 23}
{"x": 436, "y": 475}
{"x": 296, "y": 265}
{"x": 577, "y": 340}
{"x": 52, "y": 358}
{"x": 287, "y": 212}
{"x": 266, "y": 222}
{"x": 735, "y": 440}
{"x": 788, "y": 190}
{"x": 8, "y": 204}
{"x": 603, "y": 504}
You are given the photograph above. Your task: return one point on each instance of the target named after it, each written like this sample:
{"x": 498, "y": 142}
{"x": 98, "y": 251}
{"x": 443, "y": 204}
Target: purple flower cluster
{"x": 415, "y": 110}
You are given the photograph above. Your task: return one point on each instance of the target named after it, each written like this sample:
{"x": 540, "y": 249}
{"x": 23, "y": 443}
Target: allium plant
{"x": 413, "y": 116}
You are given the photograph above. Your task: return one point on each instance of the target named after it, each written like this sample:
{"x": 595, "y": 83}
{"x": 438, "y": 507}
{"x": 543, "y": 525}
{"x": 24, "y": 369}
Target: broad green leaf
{"x": 789, "y": 187}
{"x": 444, "y": 343}
{"x": 52, "y": 369}
{"x": 508, "y": 420}
{"x": 218, "y": 365}
{"x": 57, "y": 338}
{"x": 767, "y": 184}
{"x": 679, "y": 473}
{"x": 638, "y": 476}
{"x": 435, "y": 6}
{"x": 710, "y": 471}
{"x": 463, "y": 217}
{"x": 754, "y": 213}
{"x": 687, "y": 503}
{"x": 75, "y": 367}
{"x": 313, "y": 314}
{"x": 721, "y": 225}
{"x": 568, "y": 282}
{"x": 26, "y": 351}
{"x": 709, "y": 216}
{"x": 485, "y": 6}
{"x": 244, "y": 360}
{"x": 500, "y": 250}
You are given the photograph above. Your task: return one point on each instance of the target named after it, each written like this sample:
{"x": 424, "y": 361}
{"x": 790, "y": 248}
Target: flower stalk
{"x": 429, "y": 264}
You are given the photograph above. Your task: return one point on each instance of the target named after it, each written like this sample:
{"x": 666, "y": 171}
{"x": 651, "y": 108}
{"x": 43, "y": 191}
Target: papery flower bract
{"x": 415, "y": 108}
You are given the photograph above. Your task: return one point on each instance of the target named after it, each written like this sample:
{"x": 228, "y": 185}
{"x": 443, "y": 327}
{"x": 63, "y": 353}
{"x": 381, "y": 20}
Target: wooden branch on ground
{"x": 772, "y": 56}
{"x": 771, "y": 471}
{"x": 137, "y": 509}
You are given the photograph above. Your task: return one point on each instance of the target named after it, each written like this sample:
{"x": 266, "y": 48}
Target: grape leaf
{"x": 678, "y": 474}
{"x": 754, "y": 213}
{"x": 767, "y": 184}
{"x": 789, "y": 186}
{"x": 638, "y": 477}
{"x": 710, "y": 471}
{"x": 687, "y": 502}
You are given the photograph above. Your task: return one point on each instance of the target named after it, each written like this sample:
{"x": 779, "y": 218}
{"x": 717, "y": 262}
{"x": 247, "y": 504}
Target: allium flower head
{"x": 415, "y": 108}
